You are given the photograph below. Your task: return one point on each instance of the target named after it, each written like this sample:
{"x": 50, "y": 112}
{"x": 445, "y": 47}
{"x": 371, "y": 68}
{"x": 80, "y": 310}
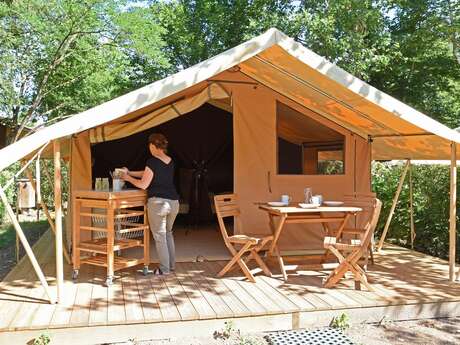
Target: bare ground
{"x": 418, "y": 332}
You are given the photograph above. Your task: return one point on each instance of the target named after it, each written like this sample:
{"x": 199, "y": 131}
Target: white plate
{"x": 333, "y": 203}
{"x": 309, "y": 205}
{"x": 277, "y": 203}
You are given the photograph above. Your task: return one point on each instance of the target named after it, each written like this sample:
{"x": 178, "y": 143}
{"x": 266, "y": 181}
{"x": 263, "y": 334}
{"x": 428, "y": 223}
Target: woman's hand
{"x": 125, "y": 174}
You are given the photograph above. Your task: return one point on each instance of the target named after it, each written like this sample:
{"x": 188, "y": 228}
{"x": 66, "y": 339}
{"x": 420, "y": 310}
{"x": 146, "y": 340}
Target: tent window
{"x": 307, "y": 147}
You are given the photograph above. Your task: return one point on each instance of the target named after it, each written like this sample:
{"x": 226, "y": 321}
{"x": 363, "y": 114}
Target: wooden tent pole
{"x": 38, "y": 186}
{"x": 393, "y": 206}
{"x": 17, "y": 237}
{"x": 411, "y": 205}
{"x": 58, "y": 220}
{"x": 26, "y": 245}
{"x": 46, "y": 211}
{"x": 453, "y": 211}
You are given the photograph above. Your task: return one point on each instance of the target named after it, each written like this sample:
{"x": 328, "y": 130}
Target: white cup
{"x": 118, "y": 184}
{"x": 316, "y": 199}
{"x": 285, "y": 199}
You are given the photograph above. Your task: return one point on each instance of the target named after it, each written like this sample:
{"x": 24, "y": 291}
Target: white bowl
{"x": 277, "y": 203}
{"x": 333, "y": 203}
{"x": 309, "y": 205}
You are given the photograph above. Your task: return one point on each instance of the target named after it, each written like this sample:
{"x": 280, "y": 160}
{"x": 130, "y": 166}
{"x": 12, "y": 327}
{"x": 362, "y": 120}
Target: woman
{"x": 163, "y": 200}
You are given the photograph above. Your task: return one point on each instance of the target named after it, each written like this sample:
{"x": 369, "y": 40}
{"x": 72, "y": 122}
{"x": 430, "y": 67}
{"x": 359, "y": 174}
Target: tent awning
{"x": 278, "y": 62}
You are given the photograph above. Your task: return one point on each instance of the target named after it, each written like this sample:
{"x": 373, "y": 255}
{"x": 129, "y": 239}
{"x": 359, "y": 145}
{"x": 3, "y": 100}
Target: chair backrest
{"x": 366, "y": 201}
{"x": 226, "y": 206}
{"x": 370, "y": 227}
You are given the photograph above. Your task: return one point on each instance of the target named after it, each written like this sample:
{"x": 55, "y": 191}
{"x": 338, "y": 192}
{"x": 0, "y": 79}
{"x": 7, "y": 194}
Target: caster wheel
{"x": 74, "y": 274}
{"x": 109, "y": 281}
{"x": 146, "y": 271}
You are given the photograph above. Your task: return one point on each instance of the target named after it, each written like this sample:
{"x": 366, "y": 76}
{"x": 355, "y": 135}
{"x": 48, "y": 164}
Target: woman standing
{"x": 163, "y": 199}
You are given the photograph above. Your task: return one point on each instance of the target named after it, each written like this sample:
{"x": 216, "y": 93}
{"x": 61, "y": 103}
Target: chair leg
{"x": 234, "y": 260}
{"x": 335, "y": 276}
{"x": 246, "y": 270}
{"x": 260, "y": 262}
{"x": 371, "y": 251}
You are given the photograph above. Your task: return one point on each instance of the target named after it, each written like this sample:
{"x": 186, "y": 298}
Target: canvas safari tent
{"x": 295, "y": 120}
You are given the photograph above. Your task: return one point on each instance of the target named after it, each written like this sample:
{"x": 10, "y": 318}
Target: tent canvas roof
{"x": 278, "y": 62}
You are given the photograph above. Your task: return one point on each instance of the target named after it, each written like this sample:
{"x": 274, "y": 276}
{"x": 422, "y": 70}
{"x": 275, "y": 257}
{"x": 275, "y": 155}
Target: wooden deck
{"x": 402, "y": 278}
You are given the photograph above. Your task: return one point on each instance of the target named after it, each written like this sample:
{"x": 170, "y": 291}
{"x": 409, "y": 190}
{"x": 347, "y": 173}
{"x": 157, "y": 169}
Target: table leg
{"x": 281, "y": 263}
{"x": 274, "y": 250}
{"x": 276, "y": 232}
{"x": 110, "y": 243}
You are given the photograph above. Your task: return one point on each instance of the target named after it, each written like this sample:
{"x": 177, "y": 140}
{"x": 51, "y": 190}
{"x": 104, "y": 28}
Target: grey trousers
{"x": 162, "y": 213}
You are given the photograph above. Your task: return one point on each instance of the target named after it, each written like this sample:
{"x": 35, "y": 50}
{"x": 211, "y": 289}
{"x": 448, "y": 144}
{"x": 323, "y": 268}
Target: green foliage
{"x": 8, "y": 234}
{"x": 341, "y": 322}
{"x": 431, "y": 206}
{"x": 5, "y": 176}
{"x": 43, "y": 339}
{"x": 62, "y": 57}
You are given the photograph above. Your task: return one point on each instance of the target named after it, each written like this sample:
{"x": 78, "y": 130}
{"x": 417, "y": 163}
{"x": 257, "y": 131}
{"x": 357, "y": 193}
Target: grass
{"x": 8, "y": 234}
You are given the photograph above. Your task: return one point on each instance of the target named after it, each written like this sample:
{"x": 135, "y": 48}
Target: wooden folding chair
{"x": 249, "y": 246}
{"x": 350, "y": 253}
{"x": 357, "y": 227}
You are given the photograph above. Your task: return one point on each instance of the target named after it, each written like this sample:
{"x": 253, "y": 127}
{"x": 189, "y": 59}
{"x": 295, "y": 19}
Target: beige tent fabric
{"x": 426, "y": 147}
{"x": 256, "y": 178}
{"x": 214, "y": 91}
{"x": 285, "y": 66}
{"x": 80, "y": 170}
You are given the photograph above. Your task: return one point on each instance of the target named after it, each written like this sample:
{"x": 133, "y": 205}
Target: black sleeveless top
{"x": 162, "y": 185}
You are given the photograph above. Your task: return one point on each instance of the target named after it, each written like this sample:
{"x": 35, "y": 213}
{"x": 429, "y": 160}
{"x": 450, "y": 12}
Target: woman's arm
{"x": 137, "y": 173}
{"x": 143, "y": 182}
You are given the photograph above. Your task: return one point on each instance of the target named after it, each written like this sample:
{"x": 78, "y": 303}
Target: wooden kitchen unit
{"x": 115, "y": 221}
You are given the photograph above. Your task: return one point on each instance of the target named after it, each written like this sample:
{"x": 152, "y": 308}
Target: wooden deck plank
{"x": 13, "y": 293}
{"x": 237, "y": 307}
{"x": 18, "y": 285}
{"x": 195, "y": 295}
{"x": 116, "y": 303}
{"x": 63, "y": 311}
{"x": 268, "y": 304}
{"x": 276, "y": 296}
{"x": 149, "y": 301}
{"x": 167, "y": 306}
{"x": 82, "y": 305}
{"x": 26, "y": 313}
{"x": 43, "y": 314}
{"x": 133, "y": 306}
{"x": 291, "y": 291}
{"x": 184, "y": 305}
{"x": 98, "y": 313}
{"x": 219, "y": 306}
{"x": 246, "y": 299}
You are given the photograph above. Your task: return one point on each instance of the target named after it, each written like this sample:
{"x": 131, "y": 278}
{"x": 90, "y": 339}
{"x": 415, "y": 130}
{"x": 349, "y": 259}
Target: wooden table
{"x": 297, "y": 215}
{"x": 114, "y": 215}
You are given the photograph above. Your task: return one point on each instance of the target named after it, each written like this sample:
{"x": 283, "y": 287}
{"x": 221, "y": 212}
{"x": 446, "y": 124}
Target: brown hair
{"x": 159, "y": 140}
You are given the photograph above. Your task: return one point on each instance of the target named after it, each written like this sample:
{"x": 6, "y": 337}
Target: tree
{"x": 61, "y": 57}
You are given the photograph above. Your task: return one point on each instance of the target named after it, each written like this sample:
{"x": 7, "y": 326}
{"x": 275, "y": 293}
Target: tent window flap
{"x": 307, "y": 147}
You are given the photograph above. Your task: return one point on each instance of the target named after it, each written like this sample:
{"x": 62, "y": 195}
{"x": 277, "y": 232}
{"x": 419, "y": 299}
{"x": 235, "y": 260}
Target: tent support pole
{"x": 58, "y": 220}
{"x": 38, "y": 186}
{"x": 17, "y": 237}
{"x": 45, "y": 210}
{"x": 393, "y": 206}
{"x": 411, "y": 204}
{"x": 453, "y": 211}
{"x": 26, "y": 245}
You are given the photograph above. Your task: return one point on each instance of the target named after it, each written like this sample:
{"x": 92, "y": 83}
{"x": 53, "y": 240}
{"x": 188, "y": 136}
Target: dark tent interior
{"x": 201, "y": 144}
